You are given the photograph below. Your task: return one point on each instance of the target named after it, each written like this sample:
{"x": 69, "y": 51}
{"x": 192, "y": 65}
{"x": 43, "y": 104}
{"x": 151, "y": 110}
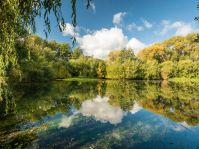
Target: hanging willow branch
{"x": 17, "y": 19}
{"x": 73, "y": 16}
{"x": 30, "y": 9}
{"x": 197, "y": 18}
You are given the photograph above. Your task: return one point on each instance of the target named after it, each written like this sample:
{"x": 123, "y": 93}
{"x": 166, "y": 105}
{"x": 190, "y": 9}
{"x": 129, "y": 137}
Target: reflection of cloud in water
{"x": 102, "y": 110}
{"x": 182, "y": 127}
{"x": 135, "y": 108}
{"x": 66, "y": 121}
{"x": 178, "y": 128}
{"x": 184, "y": 124}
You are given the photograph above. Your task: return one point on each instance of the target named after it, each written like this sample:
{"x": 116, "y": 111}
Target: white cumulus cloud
{"x": 68, "y": 29}
{"x": 136, "y": 45}
{"x": 117, "y": 18}
{"x": 100, "y": 43}
{"x": 180, "y": 28}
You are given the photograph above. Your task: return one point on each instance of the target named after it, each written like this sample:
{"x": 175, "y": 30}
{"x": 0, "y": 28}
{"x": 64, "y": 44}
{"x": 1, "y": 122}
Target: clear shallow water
{"x": 101, "y": 114}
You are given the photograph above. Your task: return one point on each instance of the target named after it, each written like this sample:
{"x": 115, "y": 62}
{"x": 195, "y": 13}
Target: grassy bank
{"x": 79, "y": 79}
{"x": 96, "y": 79}
{"x": 179, "y": 80}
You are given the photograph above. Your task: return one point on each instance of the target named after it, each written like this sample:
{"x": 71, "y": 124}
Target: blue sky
{"x": 145, "y": 21}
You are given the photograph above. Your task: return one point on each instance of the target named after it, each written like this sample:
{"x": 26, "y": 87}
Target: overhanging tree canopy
{"x": 18, "y": 16}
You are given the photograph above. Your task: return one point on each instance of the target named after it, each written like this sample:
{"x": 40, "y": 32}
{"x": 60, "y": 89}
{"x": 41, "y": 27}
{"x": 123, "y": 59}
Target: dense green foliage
{"x": 175, "y": 57}
{"x": 17, "y": 20}
{"x": 42, "y": 60}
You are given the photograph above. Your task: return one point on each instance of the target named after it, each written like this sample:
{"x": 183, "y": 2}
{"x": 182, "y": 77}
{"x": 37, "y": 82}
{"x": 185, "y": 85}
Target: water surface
{"x": 101, "y": 114}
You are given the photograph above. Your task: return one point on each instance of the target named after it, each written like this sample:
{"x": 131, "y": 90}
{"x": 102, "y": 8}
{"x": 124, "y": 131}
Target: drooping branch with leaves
{"x": 17, "y": 19}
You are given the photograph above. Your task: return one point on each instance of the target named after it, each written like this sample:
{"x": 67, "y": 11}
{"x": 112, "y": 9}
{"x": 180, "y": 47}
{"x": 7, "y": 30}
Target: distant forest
{"x": 42, "y": 60}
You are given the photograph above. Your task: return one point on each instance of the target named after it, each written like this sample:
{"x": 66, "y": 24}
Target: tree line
{"x": 42, "y": 60}
{"x": 175, "y": 57}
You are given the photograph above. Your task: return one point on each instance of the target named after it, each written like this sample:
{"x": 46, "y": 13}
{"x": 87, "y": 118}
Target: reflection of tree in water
{"x": 7, "y": 125}
{"x": 101, "y": 87}
{"x": 37, "y": 100}
{"x": 33, "y": 102}
{"x": 122, "y": 93}
{"x": 179, "y": 102}
{"x": 7, "y": 103}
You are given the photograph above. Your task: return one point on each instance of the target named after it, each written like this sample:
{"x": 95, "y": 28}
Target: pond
{"x": 101, "y": 114}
